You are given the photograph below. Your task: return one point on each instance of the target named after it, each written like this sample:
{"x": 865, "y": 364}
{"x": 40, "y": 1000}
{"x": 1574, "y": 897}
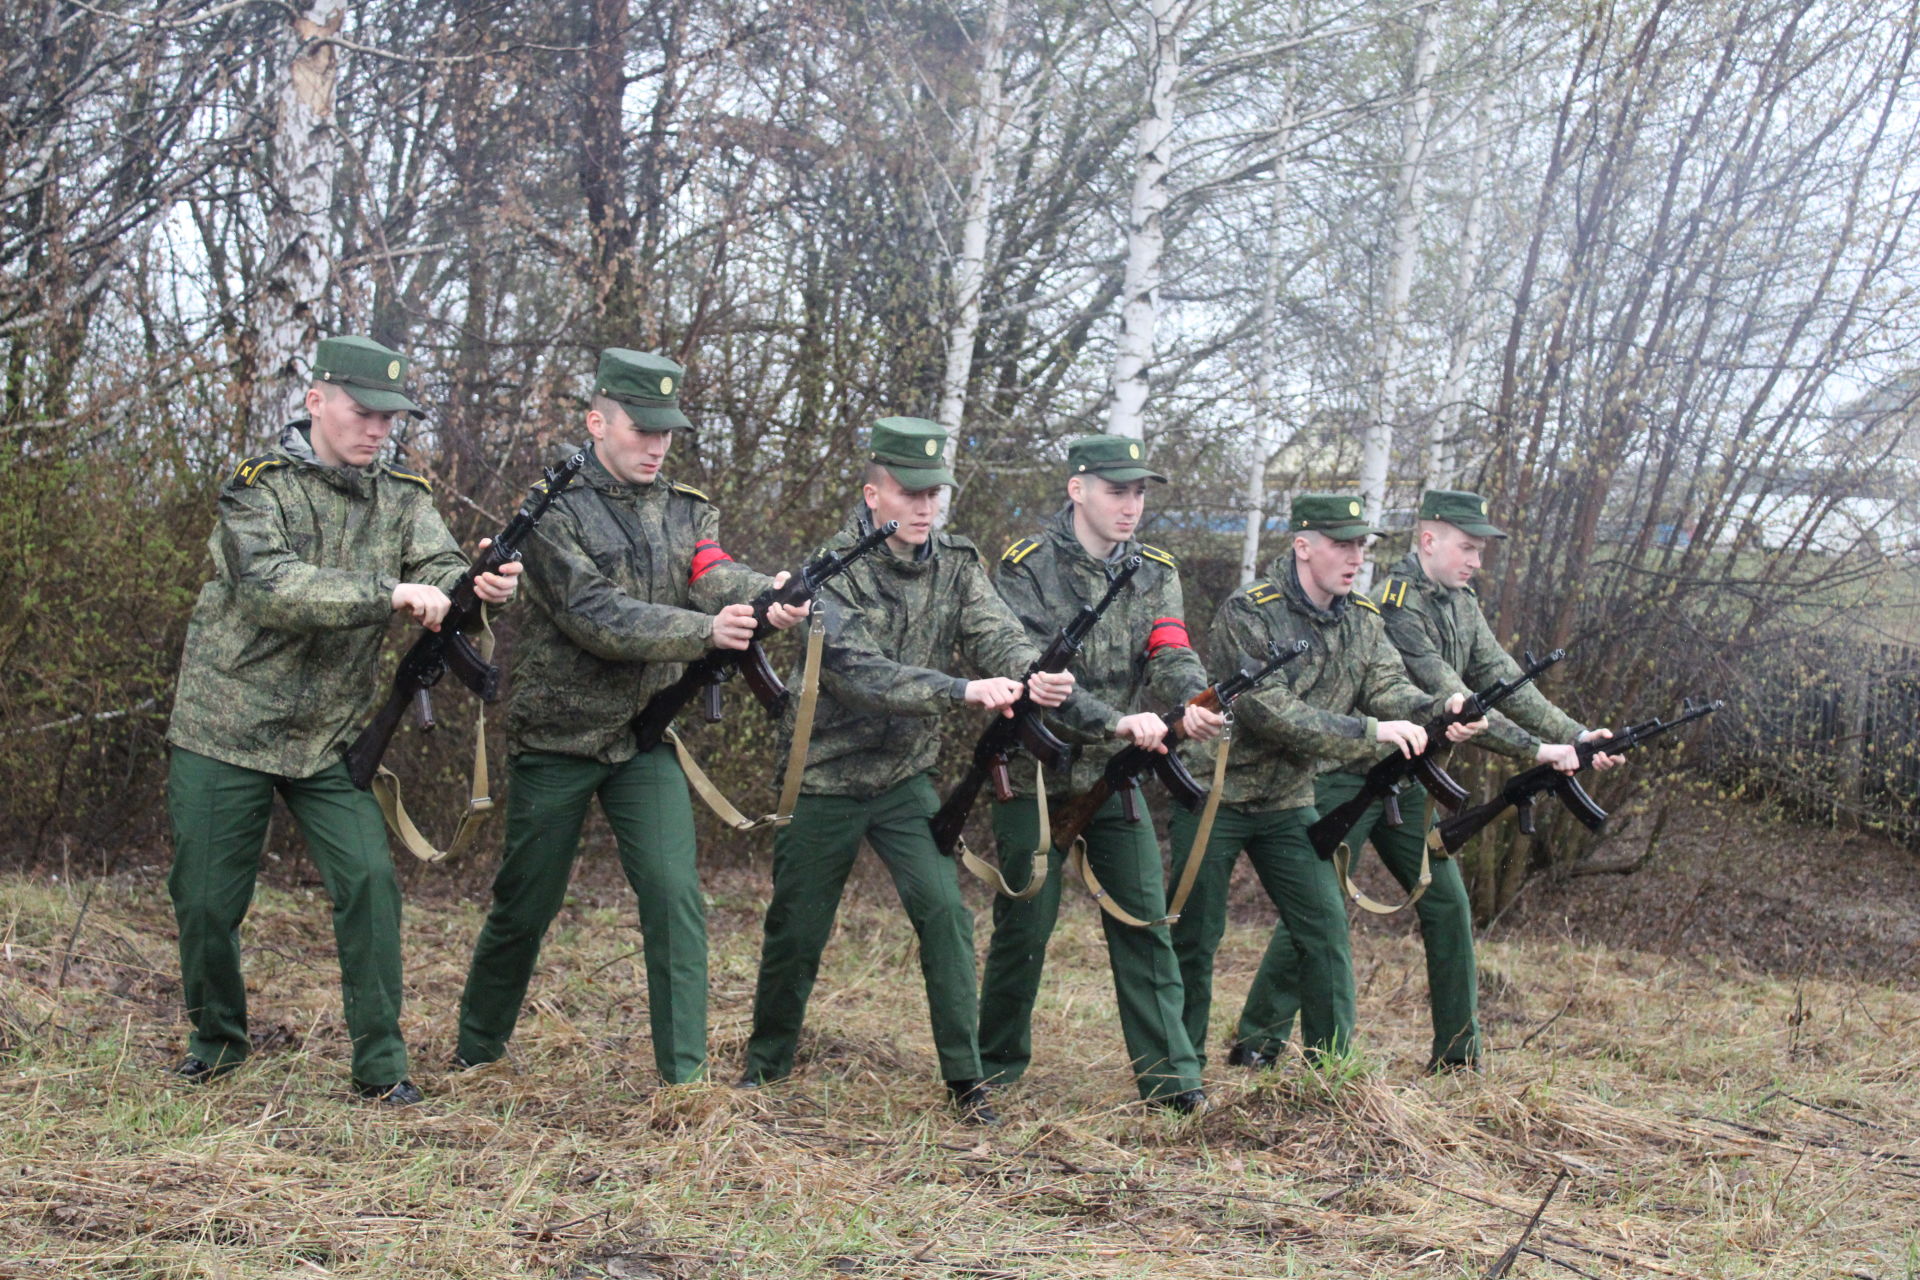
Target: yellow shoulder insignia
{"x": 249, "y": 471}
{"x": 690, "y": 491}
{"x": 1394, "y": 592}
{"x": 411, "y": 478}
{"x": 1019, "y": 550}
{"x": 1364, "y": 603}
{"x": 1155, "y": 553}
{"x": 1261, "y": 592}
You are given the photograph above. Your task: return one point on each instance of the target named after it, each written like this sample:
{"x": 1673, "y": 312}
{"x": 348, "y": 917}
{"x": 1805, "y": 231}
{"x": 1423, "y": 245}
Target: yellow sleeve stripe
{"x": 1394, "y": 592}
{"x": 422, "y": 481}
{"x": 249, "y": 471}
{"x": 1364, "y": 603}
{"x": 1020, "y": 550}
{"x": 1262, "y": 592}
{"x": 1155, "y": 553}
{"x": 690, "y": 491}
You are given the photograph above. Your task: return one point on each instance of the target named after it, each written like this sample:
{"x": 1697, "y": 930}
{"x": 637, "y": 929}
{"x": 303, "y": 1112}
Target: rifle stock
{"x": 1384, "y": 780}
{"x": 1520, "y": 792}
{"x": 704, "y": 675}
{"x": 434, "y": 653}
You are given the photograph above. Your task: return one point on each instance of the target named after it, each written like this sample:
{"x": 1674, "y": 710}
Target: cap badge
{"x": 666, "y": 386}
{"x": 1133, "y": 451}
{"x": 393, "y": 369}
{"x": 1483, "y": 506}
{"x": 933, "y": 447}
{"x": 1353, "y": 508}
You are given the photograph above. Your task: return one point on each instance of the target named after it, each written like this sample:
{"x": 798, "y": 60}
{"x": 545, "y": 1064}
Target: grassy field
{"x": 1646, "y": 1113}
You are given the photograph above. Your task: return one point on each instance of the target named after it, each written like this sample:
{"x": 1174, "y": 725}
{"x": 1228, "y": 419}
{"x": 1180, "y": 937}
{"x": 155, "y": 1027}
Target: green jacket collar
{"x": 1061, "y": 532}
{"x": 296, "y": 441}
{"x": 1284, "y": 573}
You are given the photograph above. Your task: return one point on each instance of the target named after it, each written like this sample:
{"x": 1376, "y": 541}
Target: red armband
{"x": 706, "y": 554}
{"x": 1167, "y": 633}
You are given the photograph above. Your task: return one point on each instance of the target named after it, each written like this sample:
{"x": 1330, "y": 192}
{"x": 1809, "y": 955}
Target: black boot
{"x": 196, "y": 1071}
{"x": 403, "y": 1094}
{"x": 1245, "y": 1055}
{"x": 1187, "y": 1102}
{"x": 971, "y": 1100}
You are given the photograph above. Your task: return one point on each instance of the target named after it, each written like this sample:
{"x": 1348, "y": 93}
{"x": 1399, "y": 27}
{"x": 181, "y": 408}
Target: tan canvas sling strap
{"x": 725, "y": 809}
{"x": 1343, "y": 862}
{"x": 386, "y": 787}
{"x": 1077, "y": 863}
{"x": 990, "y": 874}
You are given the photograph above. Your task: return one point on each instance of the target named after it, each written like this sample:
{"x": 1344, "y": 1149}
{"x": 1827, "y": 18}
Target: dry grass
{"x": 1691, "y": 1118}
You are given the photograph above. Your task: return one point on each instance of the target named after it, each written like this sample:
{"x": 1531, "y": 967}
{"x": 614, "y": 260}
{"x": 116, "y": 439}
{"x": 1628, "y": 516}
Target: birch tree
{"x": 299, "y": 259}
{"x": 1146, "y": 210}
{"x": 970, "y": 268}
{"x": 1451, "y": 415}
{"x": 1390, "y": 327}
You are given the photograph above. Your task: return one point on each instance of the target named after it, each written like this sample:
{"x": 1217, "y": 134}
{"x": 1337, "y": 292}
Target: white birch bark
{"x": 969, "y": 272}
{"x": 1266, "y": 427}
{"x": 1450, "y": 416}
{"x": 299, "y": 258}
{"x": 1389, "y": 346}
{"x": 1146, "y": 231}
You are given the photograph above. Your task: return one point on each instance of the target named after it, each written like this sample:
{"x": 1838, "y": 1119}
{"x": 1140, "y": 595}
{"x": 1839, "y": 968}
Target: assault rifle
{"x": 705, "y": 675}
{"x": 1124, "y": 771}
{"x": 1523, "y": 789}
{"x": 1024, "y": 728}
{"x": 452, "y": 647}
{"x": 1384, "y": 780}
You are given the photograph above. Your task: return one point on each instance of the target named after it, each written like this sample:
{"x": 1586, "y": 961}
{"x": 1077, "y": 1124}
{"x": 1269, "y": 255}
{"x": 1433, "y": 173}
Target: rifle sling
{"x": 386, "y": 786}
{"x": 1343, "y": 860}
{"x": 990, "y": 874}
{"x": 725, "y": 809}
{"x": 1078, "y": 864}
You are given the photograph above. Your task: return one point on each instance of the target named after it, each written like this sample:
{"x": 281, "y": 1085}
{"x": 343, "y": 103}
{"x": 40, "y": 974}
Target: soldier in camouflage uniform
{"x": 315, "y": 549}
{"x": 630, "y": 583}
{"x": 1139, "y": 646}
{"x": 1433, "y": 618}
{"x": 1325, "y": 707}
{"x": 895, "y": 622}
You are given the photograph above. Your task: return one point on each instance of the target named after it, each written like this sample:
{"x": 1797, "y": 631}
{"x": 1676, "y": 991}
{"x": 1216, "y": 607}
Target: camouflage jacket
{"x": 623, "y": 581}
{"x": 1319, "y": 711}
{"x": 282, "y": 660}
{"x": 894, "y": 626}
{"x": 1449, "y": 648}
{"x": 1139, "y": 646}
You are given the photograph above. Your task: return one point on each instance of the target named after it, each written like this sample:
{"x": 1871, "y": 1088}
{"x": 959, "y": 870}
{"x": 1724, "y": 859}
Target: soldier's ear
{"x": 1076, "y": 488}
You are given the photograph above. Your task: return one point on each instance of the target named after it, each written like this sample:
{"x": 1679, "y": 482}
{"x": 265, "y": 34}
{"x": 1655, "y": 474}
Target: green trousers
{"x": 1312, "y": 926}
{"x": 1146, "y": 977}
{"x": 812, "y": 857}
{"x": 646, "y": 803}
{"x": 219, "y": 815}
{"x": 1446, "y": 930}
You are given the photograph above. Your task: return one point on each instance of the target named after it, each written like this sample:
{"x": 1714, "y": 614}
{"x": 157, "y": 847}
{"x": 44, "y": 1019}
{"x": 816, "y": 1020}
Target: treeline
{"x": 1639, "y": 272}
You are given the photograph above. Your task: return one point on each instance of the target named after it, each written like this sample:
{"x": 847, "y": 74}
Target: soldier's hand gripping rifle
{"x": 1523, "y": 789}
{"x": 1023, "y": 728}
{"x": 1384, "y": 780}
{"x": 452, "y": 646}
{"x": 705, "y": 675}
{"x": 1130, "y": 765}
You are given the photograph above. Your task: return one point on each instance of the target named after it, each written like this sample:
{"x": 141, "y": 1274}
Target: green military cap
{"x": 1111, "y": 458}
{"x": 375, "y": 376}
{"x": 1335, "y": 514}
{"x": 1467, "y": 512}
{"x": 910, "y": 449}
{"x": 647, "y": 386}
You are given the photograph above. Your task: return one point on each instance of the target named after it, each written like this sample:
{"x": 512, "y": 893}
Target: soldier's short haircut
{"x": 873, "y": 473}
{"x": 612, "y": 410}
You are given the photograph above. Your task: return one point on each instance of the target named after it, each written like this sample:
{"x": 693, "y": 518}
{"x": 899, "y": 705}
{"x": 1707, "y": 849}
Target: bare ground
{"x": 1679, "y": 1109}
